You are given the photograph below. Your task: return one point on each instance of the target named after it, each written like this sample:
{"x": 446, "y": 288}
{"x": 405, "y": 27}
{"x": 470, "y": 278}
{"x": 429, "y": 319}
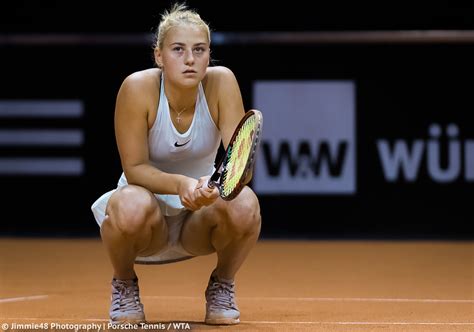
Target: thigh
{"x": 196, "y": 232}
{"x": 230, "y": 216}
{"x": 135, "y": 211}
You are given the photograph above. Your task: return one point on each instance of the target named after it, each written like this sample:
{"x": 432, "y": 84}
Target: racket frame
{"x": 216, "y": 178}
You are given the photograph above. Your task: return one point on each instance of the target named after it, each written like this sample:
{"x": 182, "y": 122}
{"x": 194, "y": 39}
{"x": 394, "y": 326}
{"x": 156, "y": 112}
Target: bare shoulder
{"x": 138, "y": 93}
{"x": 143, "y": 79}
{"x": 140, "y": 87}
{"x": 226, "y": 100}
{"x": 220, "y": 74}
{"x": 219, "y": 81}
{"x": 221, "y": 88}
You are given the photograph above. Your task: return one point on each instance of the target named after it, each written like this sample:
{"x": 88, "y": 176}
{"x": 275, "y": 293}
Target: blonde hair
{"x": 178, "y": 15}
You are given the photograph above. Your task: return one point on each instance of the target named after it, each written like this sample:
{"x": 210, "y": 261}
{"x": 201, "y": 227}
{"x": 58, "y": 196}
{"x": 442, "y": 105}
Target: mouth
{"x": 189, "y": 71}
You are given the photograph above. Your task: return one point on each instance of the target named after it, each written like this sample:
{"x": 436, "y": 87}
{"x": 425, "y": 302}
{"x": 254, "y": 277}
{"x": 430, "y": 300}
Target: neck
{"x": 180, "y": 99}
{"x": 179, "y": 108}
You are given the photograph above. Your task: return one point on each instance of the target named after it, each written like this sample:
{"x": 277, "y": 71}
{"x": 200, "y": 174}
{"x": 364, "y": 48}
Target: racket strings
{"x": 236, "y": 159}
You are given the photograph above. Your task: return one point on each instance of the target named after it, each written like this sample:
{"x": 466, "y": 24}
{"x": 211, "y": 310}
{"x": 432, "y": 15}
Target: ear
{"x": 158, "y": 57}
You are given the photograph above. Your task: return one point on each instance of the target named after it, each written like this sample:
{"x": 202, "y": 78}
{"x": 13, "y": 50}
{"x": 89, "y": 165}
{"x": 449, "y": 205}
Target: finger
{"x": 209, "y": 193}
{"x": 198, "y": 200}
{"x": 189, "y": 204}
{"x": 191, "y": 207}
{"x": 206, "y": 201}
{"x": 201, "y": 182}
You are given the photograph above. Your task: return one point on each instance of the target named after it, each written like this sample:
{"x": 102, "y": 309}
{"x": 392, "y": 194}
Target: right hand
{"x": 195, "y": 194}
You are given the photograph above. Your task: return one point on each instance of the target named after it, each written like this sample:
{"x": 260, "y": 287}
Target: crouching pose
{"x": 169, "y": 123}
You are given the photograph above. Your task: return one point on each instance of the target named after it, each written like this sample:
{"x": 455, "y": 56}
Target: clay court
{"x": 283, "y": 286}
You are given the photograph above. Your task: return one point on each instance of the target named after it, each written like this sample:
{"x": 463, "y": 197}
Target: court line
{"x": 259, "y": 322}
{"x": 324, "y": 299}
{"x": 24, "y": 298}
{"x": 49, "y": 319}
{"x": 361, "y": 323}
{"x": 308, "y": 299}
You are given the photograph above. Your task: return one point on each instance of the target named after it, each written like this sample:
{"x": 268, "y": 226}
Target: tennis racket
{"x": 235, "y": 169}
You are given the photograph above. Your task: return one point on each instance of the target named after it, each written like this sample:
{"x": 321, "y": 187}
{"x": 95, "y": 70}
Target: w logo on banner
{"x": 308, "y": 160}
{"x": 308, "y": 143}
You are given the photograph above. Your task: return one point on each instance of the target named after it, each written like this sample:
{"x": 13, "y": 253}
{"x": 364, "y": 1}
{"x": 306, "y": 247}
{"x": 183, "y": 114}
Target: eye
{"x": 199, "y": 49}
{"x": 178, "y": 49}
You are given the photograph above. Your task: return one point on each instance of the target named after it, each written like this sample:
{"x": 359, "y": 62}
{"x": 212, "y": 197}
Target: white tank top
{"x": 191, "y": 153}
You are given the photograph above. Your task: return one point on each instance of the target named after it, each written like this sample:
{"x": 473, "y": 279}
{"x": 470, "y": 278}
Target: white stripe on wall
{"x": 41, "y": 166}
{"x": 41, "y": 137}
{"x": 41, "y": 108}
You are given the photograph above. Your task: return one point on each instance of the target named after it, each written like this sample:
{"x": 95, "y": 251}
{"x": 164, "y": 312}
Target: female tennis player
{"x": 169, "y": 123}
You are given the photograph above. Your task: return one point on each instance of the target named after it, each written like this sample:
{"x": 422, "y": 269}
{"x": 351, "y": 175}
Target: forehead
{"x": 186, "y": 34}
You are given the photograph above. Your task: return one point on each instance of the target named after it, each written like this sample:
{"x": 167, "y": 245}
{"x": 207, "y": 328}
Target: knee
{"x": 243, "y": 213}
{"x": 131, "y": 208}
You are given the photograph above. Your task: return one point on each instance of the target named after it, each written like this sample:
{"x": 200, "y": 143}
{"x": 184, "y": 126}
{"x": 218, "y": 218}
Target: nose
{"x": 189, "y": 58}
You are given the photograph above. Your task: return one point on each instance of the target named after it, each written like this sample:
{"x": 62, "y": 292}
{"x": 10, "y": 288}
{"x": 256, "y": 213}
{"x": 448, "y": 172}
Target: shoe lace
{"x": 221, "y": 295}
{"x": 125, "y": 296}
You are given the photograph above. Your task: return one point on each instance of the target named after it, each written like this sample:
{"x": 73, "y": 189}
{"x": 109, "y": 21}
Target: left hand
{"x": 203, "y": 195}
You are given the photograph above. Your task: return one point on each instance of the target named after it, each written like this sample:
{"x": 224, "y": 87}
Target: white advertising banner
{"x": 309, "y": 141}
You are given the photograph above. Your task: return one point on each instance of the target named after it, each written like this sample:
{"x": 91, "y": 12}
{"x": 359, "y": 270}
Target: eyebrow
{"x": 183, "y": 44}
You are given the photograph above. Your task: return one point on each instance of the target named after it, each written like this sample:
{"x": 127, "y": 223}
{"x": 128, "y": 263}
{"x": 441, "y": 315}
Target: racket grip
{"x": 211, "y": 184}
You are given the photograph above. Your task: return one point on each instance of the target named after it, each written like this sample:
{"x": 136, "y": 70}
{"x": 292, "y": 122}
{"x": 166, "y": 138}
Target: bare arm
{"x": 230, "y": 105}
{"x": 131, "y": 131}
{"x": 230, "y": 112}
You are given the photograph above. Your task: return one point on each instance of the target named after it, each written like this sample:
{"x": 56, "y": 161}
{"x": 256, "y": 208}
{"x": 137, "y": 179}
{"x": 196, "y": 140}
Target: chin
{"x": 189, "y": 83}
{"x": 191, "y": 80}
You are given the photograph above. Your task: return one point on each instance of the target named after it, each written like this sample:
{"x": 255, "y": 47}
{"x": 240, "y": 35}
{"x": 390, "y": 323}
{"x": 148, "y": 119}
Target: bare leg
{"x": 229, "y": 228}
{"x": 133, "y": 226}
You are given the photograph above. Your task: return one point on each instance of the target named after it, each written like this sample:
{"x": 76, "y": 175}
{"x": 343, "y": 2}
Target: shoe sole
{"x": 124, "y": 322}
{"x": 222, "y": 321}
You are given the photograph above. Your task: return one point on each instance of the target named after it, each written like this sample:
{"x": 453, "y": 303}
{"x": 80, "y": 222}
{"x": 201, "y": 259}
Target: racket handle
{"x": 213, "y": 180}
{"x": 211, "y": 184}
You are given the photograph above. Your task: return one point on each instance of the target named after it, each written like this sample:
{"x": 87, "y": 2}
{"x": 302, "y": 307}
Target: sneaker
{"x": 220, "y": 302}
{"x": 126, "y": 306}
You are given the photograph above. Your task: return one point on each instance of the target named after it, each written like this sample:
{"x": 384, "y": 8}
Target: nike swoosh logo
{"x": 178, "y": 145}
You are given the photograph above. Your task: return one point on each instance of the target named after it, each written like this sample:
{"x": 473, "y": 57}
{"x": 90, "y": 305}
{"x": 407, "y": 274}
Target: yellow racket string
{"x": 238, "y": 156}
